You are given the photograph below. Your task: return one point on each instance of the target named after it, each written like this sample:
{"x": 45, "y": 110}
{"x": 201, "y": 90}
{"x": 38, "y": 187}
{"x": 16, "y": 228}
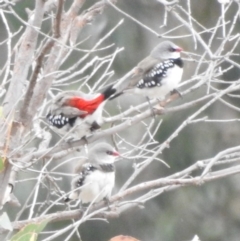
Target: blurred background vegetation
{"x": 212, "y": 211}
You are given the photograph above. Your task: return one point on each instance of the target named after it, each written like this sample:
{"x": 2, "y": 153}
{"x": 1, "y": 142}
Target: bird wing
{"x": 131, "y": 79}
{"x": 156, "y": 75}
{"x": 60, "y": 105}
{"x": 68, "y": 111}
{"x": 60, "y": 117}
{"x": 79, "y": 180}
{"x": 142, "y": 68}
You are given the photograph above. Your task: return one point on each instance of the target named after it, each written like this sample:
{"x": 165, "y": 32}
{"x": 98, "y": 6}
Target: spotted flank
{"x": 60, "y": 120}
{"x": 156, "y": 74}
{"x": 88, "y": 168}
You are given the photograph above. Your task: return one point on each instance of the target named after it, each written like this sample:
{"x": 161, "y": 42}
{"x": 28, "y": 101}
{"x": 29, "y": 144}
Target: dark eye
{"x": 171, "y": 49}
{"x": 109, "y": 152}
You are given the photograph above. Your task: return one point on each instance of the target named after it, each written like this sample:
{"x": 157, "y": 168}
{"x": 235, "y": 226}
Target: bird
{"x": 156, "y": 75}
{"x": 77, "y": 113}
{"x": 94, "y": 179}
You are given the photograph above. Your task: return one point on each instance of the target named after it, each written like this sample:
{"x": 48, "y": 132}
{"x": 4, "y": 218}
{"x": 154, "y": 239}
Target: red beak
{"x": 178, "y": 49}
{"x": 115, "y": 153}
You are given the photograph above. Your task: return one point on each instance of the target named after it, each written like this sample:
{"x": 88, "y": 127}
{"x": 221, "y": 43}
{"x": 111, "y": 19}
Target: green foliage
{"x": 29, "y": 232}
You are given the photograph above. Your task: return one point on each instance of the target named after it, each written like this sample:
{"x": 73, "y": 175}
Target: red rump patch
{"x": 86, "y": 105}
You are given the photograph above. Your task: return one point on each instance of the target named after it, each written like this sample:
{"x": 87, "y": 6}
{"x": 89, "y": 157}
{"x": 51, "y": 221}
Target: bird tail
{"x": 72, "y": 196}
{"x": 108, "y": 92}
{"x": 116, "y": 95}
{"x": 91, "y": 105}
{"x": 67, "y": 199}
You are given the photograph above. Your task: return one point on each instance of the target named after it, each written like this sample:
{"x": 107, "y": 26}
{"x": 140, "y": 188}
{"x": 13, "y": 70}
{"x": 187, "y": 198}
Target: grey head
{"x": 166, "y": 50}
{"x": 102, "y": 153}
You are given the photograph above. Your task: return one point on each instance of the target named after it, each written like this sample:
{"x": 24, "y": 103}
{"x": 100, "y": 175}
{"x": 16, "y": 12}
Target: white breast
{"x": 98, "y": 185}
{"x": 169, "y": 83}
